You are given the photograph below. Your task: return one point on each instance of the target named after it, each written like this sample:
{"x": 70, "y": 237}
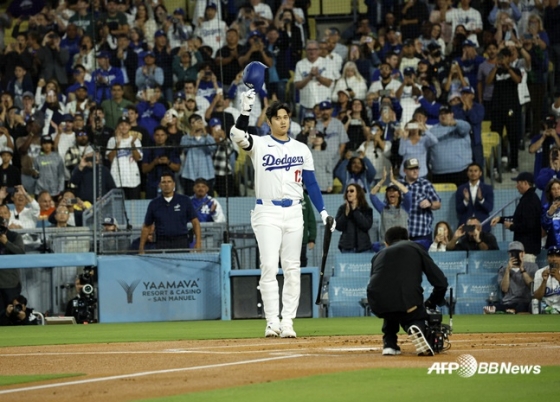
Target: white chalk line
{"x": 145, "y": 373}
{"x": 272, "y": 351}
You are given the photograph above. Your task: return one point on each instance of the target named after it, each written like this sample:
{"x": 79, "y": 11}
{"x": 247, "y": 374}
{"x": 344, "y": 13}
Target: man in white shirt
{"x": 262, "y": 10}
{"x": 547, "y": 282}
{"x": 211, "y": 29}
{"x": 334, "y": 61}
{"x": 313, "y": 77}
{"x": 464, "y": 15}
{"x": 25, "y": 212}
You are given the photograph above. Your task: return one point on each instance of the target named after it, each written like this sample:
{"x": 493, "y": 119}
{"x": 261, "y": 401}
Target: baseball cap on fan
{"x": 325, "y": 105}
{"x": 411, "y": 163}
{"x": 516, "y": 246}
{"x": 109, "y": 221}
{"x": 214, "y": 121}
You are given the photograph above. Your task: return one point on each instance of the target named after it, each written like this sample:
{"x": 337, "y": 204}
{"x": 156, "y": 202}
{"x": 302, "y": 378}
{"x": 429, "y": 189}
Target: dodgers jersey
{"x": 278, "y": 167}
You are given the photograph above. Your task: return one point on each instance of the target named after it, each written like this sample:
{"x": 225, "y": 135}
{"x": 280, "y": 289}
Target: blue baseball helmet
{"x": 253, "y": 75}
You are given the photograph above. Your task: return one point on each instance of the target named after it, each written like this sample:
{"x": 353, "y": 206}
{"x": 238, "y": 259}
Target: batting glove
{"x": 247, "y": 101}
{"x": 324, "y": 216}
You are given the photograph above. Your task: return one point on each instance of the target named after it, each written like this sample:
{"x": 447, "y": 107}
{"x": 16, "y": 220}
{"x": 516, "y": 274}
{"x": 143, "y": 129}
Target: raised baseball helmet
{"x": 253, "y": 75}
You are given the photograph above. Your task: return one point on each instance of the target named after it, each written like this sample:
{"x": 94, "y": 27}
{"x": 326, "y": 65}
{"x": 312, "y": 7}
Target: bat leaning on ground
{"x": 326, "y": 244}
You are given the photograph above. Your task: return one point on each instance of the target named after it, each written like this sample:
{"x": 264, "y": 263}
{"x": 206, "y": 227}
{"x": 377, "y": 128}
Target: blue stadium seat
{"x": 350, "y": 265}
{"x": 486, "y": 261}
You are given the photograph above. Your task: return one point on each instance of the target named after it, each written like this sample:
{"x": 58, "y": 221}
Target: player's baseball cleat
{"x": 272, "y": 331}
{"x": 391, "y": 350}
{"x": 288, "y": 332}
{"x": 489, "y": 310}
{"x": 417, "y": 338}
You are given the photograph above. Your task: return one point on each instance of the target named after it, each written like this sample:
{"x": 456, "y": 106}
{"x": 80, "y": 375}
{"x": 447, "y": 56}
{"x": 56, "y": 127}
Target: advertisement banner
{"x": 163, "y": 287}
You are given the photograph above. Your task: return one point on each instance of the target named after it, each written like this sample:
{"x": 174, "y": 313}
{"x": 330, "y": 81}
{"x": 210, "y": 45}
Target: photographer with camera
{"x": 471, "y": 236}
{"x": 10, "y": 243}
{"x": 255, "y": 50}
{"x": 395, "y": 293}
{"x": 82, "y": 307}
{"x": 515, "y": 281}
{"x": 17, "y": 313}
{"x": 547, "y": 282}
{"x": 53, "y": 59}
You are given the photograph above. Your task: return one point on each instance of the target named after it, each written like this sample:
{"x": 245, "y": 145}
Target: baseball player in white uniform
{"x": 282, "y": 166}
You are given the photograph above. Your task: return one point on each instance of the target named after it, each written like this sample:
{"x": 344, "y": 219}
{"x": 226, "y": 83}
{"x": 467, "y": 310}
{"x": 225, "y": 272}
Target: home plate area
{"x": 129, "y": 371}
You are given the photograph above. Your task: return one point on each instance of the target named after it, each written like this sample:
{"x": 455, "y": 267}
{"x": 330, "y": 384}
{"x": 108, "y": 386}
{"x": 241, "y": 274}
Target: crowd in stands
{"x": 143, "y": 89}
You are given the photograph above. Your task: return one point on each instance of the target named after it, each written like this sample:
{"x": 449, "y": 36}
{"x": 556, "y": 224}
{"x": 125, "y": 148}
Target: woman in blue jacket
{"x": 550, "y": 219}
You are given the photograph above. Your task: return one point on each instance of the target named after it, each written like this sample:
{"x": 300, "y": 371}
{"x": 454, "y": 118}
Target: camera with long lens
{"x": 18, "y": 308}
{"x": 437, "y": 333}
{"x": 84, "y": 306}
{"x": 3, "y": 230}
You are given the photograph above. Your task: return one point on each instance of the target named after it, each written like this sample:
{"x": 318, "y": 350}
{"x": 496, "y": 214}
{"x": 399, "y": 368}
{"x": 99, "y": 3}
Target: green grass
{"x": 171, "y": 331}
{"x": 390, "y": 385}
{"x": 22, "y": 379}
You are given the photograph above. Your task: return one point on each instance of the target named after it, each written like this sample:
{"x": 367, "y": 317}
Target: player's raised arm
{"x": 253, "y": 78}
{"x": 238, "y": 132}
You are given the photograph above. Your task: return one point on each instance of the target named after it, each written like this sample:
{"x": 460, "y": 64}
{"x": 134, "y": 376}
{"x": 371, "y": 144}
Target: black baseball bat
{"x": 326, "y": 245}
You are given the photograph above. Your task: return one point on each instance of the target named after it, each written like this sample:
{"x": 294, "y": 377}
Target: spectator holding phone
{"x": 395, "y": 208}
{"x": 415, "y": 140}
{"x": 515, "y": 281}
{"x": 442, "y": 236}
{"x": 471, "y": 236}
{"x": 544, "y": 146}
{"x": 547, "y": 282}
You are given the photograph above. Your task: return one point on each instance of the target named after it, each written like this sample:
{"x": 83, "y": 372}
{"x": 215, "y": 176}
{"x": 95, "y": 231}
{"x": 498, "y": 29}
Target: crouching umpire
{"x": 395, "y": 290}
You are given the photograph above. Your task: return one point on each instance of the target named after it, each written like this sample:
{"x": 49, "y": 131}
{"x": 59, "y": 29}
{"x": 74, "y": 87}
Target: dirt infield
{"x": 129, "y": 371}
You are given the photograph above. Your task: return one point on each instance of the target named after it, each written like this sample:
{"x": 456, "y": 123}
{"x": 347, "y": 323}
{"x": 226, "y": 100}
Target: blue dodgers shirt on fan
{"x": 171, "y": 218}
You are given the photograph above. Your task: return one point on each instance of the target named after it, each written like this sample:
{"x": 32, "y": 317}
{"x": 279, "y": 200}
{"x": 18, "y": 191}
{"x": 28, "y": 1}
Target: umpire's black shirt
{"x": 396, "y": 279}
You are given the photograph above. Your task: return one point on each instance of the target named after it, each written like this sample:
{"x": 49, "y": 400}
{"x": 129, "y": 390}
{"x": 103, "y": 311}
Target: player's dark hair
{"x": 548, "y": 190}
{"x": 194, "y": 116}
{"x": 167, "y": 174}
{"x": 351, "y": 161}
{"x": 360, "y": 195}
{"x": 272, "y": 110}
{"x": 395, "y": 234}
{"x": 475, "y": 164}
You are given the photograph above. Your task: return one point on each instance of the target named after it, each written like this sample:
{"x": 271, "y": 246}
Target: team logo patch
{"x": 271, "y": 162}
